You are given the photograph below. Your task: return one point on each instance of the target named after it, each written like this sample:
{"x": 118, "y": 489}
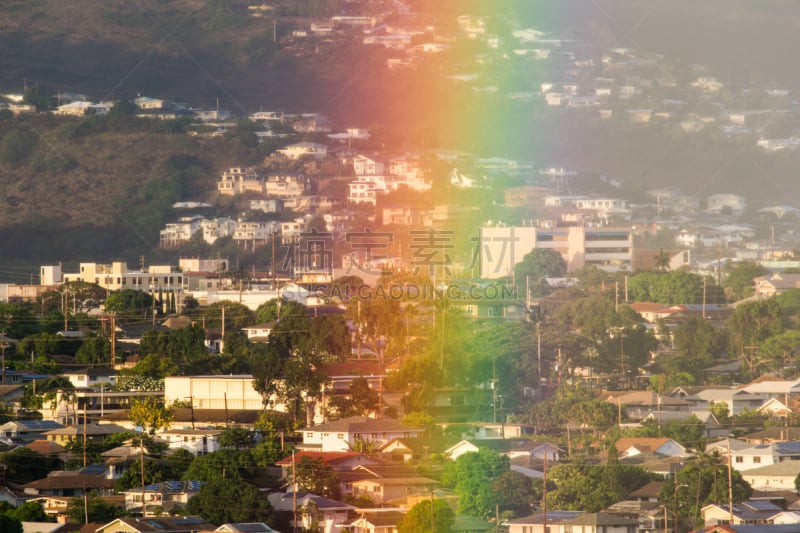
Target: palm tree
{"x": 662, "y": 261}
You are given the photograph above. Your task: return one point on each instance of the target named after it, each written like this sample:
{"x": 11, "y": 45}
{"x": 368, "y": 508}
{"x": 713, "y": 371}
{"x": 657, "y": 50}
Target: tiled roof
{"x": 329, "y": 458}
{"x": 362, "y": 424}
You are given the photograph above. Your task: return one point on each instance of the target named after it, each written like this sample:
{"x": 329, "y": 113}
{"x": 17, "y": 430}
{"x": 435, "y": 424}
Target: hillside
{"x": 72, "y": 188}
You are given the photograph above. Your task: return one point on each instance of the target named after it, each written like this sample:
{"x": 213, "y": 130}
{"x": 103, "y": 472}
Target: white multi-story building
{"x": 116, "y": 276}
{"x": 237, "y": 180}
{"x": 287, "y": 184}
{"x": 216, "y": 228}
{"x": 177, "y": 234}
{"x": 501, "y": 248}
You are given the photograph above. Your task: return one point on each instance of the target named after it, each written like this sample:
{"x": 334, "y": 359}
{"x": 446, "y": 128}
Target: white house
{"x": 773, "y": 477}
{"x": 342, "y": 435}
{"x": 303, "y": 149}
{"x": 511, "y": 448}
{"x": 198, "y": 441}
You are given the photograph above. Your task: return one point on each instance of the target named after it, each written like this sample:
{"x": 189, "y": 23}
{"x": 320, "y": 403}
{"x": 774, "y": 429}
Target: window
{"x": 756, "y": 459}
{"x": 340, "y": 436}
{"x": 739, "y": 459}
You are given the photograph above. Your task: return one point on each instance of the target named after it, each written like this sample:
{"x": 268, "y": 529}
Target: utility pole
{"x": 3, "y": 345}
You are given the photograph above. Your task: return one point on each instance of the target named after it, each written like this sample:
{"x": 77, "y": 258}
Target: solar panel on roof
{"x": 188, "y": 520}
{"x": 762, "y": 506}
{"x": 155, "y": 524}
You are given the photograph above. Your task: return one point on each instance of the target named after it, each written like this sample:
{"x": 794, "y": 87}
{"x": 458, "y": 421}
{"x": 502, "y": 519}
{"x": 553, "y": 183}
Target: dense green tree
{"x": 428, "y": 516}
{"x": 516, "y": 493}
{"x": 236, "y": 437}
{"x": 9, "y": 524}
{"x": 751, "y": 324}
{"x": 311, "y": 474}
{"x": 699, "y": 338}
{"x": 99, "y": 510}
{"x": 94, "y": 350}
{"x": 782, "y": 352}
{"x": 675, "y": 287}
{"x": 702, "y": 481}
{"x": 593, "y": 487}
{"x": 535, "y": 266}
{"x": 739, "y": 278}
{"x": 30, "y": 512}
{"x": 24, "y": 465}
{"x": 220, "y": 501}
{"x": 129, "y": 304}
{"x": 224, "y": 464}
{"x": 154, "y": 472}
{"x": 472, "y": 477}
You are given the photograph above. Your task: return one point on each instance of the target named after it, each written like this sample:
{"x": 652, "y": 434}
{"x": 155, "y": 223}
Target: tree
{"x": 516, "y": 493}
{"x": 226, "y": 464}
{"x": 99, "y": 510}
{"x": 472, "y": 477}
{"x": 428, "y": 516}
{"x": 129, "y": 304}
{"x": 751, "y": 324}
{"x": 236, "y": 437}
{"x": 9, "y": 524}
{"x": 220, "y": 501}
{"x": 537, "y": 265}
{"x": 24, "y": 465}
{"x": 311, "y": 474}
{"x": 705, "y": 480}
{"x": 30, "y": 512}
{"x": 150, "y": 414}
{"x": 738, "y": 282}
{"x": 662, "y": 261}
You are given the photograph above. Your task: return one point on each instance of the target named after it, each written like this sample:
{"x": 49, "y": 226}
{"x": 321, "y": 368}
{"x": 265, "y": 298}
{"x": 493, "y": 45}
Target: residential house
{"x": 737, "y": 400}
{"x": 238, "y": 180}
{"x": 69, "y": 483}
{"x": 649, "y": 514}
{"x": 80, "y": 109}
{"x": 285, "y": 184}
{"x": 733, "y": 203}
{"x": 376, "y": 522}
{"x": 339, "y": 461}
{"x": 774, "y": 477}
{"x": 198, "y": 441}
{"x": 535, "y": 523}
{"x": 166, "y": 496}
{"x": 246, "y": 527}
{"x": 92, "y": 432}
{"x": 55, "y": 507}
{"x": 633, "y": 446}
{"x": 161, "y": 524}
{"x": 749, "y": 456}
{"x": 385, "y": 490}
{"x": 13, "y": 497}
{"x": 27, "y": 429}
{"x": 259, "y": 332}
{"x": 768, "y": 286}
{"x": 567, "y": 522}
{"x": 766, "y": 435}
{"x": 304, "y": 149}
{"x": 638, "y": 405}
{"x": 177, "y": 234}
{"x": 749, "y": 512}
{"x": 345, "y": 434}
{"x": 313, "y": 511}
{"x": 368, "y": 166}
{"x": 518, "y": 450}
{"x": 92, "y": 377}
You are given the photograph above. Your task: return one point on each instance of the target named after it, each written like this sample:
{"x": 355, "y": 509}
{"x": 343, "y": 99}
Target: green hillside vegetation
{"x": 102, "y": 187}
